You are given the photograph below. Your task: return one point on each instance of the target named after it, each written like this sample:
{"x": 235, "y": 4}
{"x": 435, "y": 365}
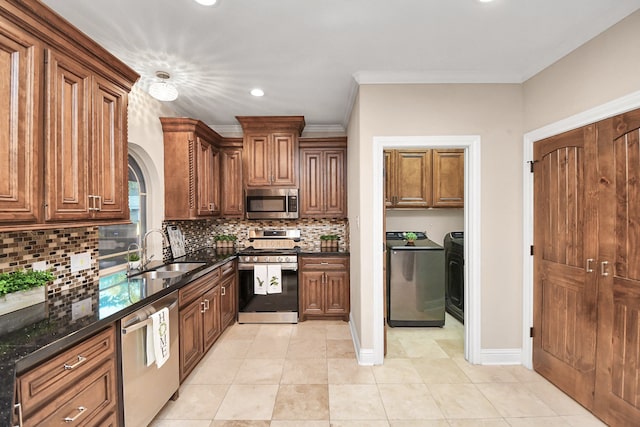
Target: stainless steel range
{"x": 268, "y": 276}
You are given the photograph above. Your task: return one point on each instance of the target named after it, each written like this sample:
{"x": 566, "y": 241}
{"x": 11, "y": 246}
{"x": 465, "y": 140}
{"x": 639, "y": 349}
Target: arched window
{"x": 115, "y": 240}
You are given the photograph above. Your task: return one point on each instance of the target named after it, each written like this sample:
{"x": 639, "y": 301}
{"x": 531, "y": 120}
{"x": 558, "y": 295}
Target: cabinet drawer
{"x": 86, "y": 402}
{"x": 198, "y": 287}
{"x": 324, "y": 263}
{"x": 52, "y": 378}
{"x": 227, "y": 270}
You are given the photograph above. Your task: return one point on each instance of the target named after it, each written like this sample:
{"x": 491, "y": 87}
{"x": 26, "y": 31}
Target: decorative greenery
{"x": 225, "y": 238}
{"x": 329, "y": 237}
{"x": 134, "y": 256}
{"x": 410, "y": 236}
{"x": 22, "y": 280}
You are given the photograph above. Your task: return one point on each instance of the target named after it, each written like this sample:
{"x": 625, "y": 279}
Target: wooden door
{"x": 311, "y": 183}
{"x": 20, "y": 140}
{"x": 448, "y": 178}
{"x": 617, "y": 391}
{"x": 565, "y": 247}
{"x": 311, "y": 293}
{"x": 284, "y": 160}
{"x": 231, "y": 183}
{"x": 336, "y": 293}
{"x": 413, "y": 178}
{"x": 335, "y": 183}
{"x": 68, "y": 101}
{"x": 109, "y": 151}
{"x": 256, "y": 147}
{"x": 211, "y": 318}
{"x": 191, "y": 347}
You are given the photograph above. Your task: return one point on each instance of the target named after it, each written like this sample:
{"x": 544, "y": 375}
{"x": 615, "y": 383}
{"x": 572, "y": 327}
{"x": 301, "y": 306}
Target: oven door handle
{"x": 141, "y": 324}
{"x": 250, "y": 267}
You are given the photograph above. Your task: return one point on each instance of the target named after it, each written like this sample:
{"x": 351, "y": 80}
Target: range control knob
{"x": 280, "y": 259}
{"x": 255, "y": 259}
{"x": 267, "y": 259}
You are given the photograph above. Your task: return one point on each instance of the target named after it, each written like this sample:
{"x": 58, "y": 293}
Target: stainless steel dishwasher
{"x": 147, "y": 388}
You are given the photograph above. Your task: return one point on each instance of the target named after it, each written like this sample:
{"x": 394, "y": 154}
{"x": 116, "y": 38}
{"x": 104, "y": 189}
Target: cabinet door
{"x": 109, "y": 151}
{"x": 211, "y": 318}
{"x": 68, "y": 100}
{"x": 448, "y": 178}
{"x": 337, "y": 292}
{"x": 20, "y": 153}
{"x": 257, "y": 160}
{"x": 227, "y": 301}
{"x": 214, "y": 180}
{"x": 191, "y": 345}
{"x": 231, "y": 183}
{"x": 207, "y": 173}
{"x": 389, "y": 178}
{"x": 413, "y": 178}
{"x": 311, "y": 188}
{"x": 311, "y": 293}
{"x": 335, "y": 183}
{"x": 284, "y": 160}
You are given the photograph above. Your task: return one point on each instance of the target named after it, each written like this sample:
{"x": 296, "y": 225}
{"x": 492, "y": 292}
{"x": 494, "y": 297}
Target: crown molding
{"x": 432, "y": 77}
{"x": 231, "y": 131}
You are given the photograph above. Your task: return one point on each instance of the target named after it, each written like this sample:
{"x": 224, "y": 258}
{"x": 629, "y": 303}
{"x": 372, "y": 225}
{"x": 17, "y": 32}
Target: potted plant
{"x": 134, "y": 260}
{"x": 225, "y": 241}
{"x": 20, "y": 289}
{"x": 329, "y": 242}
{"x": 410, "y": 238}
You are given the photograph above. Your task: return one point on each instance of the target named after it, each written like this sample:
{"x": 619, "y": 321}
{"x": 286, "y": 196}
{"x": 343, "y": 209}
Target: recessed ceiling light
{"x": 485, "y": 1}
{"x": 207, "y": 2}
{"x": 257, "y": 92}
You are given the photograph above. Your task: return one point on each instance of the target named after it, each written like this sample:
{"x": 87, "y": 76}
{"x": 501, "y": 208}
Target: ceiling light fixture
{"x": 207, "y": 2}
{"x": 257, "y": 92}
{"x": 162, "y": 90}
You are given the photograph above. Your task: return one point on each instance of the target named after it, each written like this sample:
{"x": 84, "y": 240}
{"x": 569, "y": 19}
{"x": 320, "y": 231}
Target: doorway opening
{"x": 472, "y": 286}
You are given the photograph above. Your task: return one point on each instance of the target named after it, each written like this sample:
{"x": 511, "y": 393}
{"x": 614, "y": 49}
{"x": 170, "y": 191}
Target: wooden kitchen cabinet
{"x": 448, "y": 178}
{"x": 228, "y": 294}
{"x": 324, "y": 288}
{"x": 270, "y": 146}
{"x": 191, "y": 169}
{"x": 200, "y": 320}
{"x": 323, "y": 178}
{"x": 64, "y": 143}
{"x": 80, "y": 383}
{"x": 231, "y": 182}
{"x": 424, "y": 178}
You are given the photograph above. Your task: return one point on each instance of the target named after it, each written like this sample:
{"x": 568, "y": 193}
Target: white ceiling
{"x": 307, "y": 55}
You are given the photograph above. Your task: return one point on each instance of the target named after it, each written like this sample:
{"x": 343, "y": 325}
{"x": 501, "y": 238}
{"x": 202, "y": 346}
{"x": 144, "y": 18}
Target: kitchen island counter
{"x": 26, "y": 348}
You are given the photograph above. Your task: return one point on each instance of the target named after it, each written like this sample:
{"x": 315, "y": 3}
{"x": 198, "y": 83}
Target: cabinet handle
{"x": 92, "y": 203}
{"x": 80, "y": 361}
{"x": 18, "y": 408}
{"x": 324, "y": 263}
{"x": 603, "y": 268}
{"x": 80, "y": 410}
{"x": 224, "y": 291}
{"x": 587, "y": 266}
{"x": 203, "y": 307}
{"x": 99, "y": 199}
{"x": 206, "y": 304}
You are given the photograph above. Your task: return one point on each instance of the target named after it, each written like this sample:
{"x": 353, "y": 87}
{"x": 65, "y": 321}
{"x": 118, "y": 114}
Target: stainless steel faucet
{"x": 145, "y": 258}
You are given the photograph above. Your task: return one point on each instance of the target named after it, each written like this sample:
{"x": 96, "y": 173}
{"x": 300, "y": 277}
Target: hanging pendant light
{"x": 162, "y": 90}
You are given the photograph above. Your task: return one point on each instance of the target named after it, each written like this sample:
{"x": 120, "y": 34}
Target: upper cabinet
{"x": 64, "y": 143}
{"x": 424, "y": 178}
{"x": 231, "y": 179}
{"x": 271, "y": 150}
{"x": 191, "y": 169}
{"x": 323, "y": 177}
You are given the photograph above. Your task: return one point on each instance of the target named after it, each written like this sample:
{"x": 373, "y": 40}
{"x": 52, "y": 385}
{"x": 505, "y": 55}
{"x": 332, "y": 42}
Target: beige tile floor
{"x": 306, "y": 375}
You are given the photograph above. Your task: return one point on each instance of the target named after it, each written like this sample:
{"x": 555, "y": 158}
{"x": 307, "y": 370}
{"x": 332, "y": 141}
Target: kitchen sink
{"x": 179, "y": 267}
{"x": 150, "y": 275}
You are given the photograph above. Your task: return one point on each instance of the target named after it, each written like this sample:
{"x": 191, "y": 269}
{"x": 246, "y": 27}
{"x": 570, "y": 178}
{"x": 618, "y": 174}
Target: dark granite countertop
{"x": 25, "y": 348}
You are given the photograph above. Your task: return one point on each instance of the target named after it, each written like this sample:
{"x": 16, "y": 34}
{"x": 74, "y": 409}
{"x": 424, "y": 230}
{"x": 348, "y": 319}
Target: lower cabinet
{"x": 78, "y": 386}
{"x": 200, "y": 322}
{"x": 228, "y": 297}
{"x": 324, "y": 288}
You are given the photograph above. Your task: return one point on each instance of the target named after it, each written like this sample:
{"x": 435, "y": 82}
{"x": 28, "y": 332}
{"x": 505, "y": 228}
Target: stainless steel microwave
{"x": 271, "y": 203}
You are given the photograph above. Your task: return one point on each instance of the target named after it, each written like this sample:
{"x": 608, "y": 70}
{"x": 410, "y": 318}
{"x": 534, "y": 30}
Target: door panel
{"x": 565, "y": 236}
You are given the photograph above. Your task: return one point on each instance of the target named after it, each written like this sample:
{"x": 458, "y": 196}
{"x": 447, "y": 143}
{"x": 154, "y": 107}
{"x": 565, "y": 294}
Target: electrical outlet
{"x": 81, "y": 309}
{"x": 80, "y": 261}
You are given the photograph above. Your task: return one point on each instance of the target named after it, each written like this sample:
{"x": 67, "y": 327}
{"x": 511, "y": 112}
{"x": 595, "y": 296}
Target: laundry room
{"x": 425, "y": 217}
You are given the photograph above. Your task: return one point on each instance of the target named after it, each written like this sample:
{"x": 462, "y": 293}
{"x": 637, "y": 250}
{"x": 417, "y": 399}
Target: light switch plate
{"x": 80, "y": 261}
{"x": 39, "y": 266}
{"x": 81, "y": 308}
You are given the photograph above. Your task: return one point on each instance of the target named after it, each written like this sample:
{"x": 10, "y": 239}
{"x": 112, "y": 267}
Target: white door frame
{"x": 471, "y": 145}
{"x": 601, "y": 112}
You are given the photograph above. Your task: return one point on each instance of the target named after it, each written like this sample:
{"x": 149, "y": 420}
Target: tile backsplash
{"x": 21, "y": 249}
{"x": 200, "y": 233}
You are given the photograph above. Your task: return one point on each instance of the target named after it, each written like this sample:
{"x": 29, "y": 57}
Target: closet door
{"x": 617, "y": 392}
{"x": 565, "y": 248}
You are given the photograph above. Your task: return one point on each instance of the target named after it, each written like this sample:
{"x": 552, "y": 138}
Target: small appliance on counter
{"x": 454, "y": 274}
{"x": 268, "y": 277}
{"x": 415, "y": 281}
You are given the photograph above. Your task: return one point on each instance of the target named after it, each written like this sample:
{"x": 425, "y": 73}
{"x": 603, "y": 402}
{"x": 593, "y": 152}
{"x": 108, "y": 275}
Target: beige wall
{"x": 603, "y": 69}
{"x": 495, "y": 113}
{"x": 435, "y": 222}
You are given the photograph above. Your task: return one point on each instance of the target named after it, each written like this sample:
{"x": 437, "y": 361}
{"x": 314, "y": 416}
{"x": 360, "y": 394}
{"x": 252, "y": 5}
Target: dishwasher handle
{"x": 141, "y": 324}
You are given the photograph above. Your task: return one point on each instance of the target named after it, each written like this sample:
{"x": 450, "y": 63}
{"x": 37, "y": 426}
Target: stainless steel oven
{"x": 271, "y": 203}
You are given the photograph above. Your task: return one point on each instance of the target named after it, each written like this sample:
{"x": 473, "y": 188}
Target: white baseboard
{"x": 501, "y": 356}
{"x": 365, "y": 356}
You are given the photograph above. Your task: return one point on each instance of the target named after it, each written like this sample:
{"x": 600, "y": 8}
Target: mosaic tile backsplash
{"x": 201, "y": 233}
{"x": 20, "y": 250}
